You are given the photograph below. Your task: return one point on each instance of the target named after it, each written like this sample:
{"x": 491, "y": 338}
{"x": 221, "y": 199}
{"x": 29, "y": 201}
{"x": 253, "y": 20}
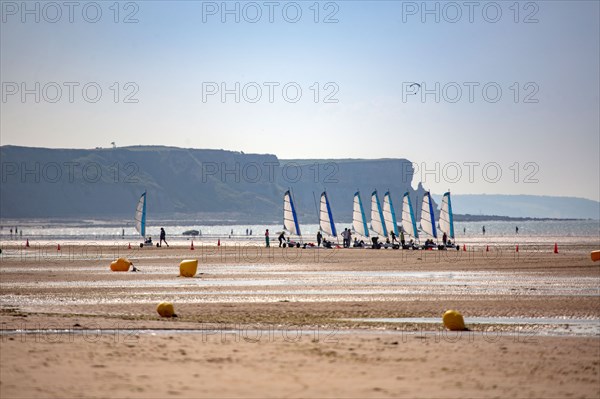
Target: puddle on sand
{"x": 545, "y": 325}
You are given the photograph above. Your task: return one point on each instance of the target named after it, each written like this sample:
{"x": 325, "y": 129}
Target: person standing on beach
{"x": 319, "y": 238}
{"x": 517, "y": 229}
{"x": 402, "y": 241}
{"x": 267, "y": 238}
{"x": 163, "y": 236}
{"x": 349, "y": 239}
{"x": 483, "y": 230}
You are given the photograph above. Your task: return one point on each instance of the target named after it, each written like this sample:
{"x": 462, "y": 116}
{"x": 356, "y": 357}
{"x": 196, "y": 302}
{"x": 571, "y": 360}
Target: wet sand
{"x": 270, "y": 323}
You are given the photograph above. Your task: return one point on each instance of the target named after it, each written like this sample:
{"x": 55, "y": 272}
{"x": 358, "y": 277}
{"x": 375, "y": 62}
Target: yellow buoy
{"x": 188, "y": 267}
{"x": 120, "y": 265}
{"x": 454, "y": 321}
{"x": 165, "y": 309}
{"x": 595, "y": 256}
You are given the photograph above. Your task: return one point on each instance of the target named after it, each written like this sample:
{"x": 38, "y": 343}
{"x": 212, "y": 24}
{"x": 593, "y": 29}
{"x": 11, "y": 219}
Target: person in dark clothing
{"x": 319, "y": 239}
{"x": 163, "y": 236}
{"x": 281, "y": 238}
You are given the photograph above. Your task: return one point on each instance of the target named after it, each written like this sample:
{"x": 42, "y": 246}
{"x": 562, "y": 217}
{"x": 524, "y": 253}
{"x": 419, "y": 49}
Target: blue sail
{"x": 389, "y": 214}
{"x": 359, "y": 220}
{"x": 428, "y": 216}
{"x": 140, "y": 215}
{"x": 377, "y": 221}
{"x": 326, "y": 216}
{"x": 290, "y": 218}
{"x": 446, "y": 216}
{"x": 409, "y": 224}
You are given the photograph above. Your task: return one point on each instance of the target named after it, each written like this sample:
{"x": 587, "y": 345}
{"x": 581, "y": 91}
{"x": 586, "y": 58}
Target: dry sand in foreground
{"x": 358, "y": 360}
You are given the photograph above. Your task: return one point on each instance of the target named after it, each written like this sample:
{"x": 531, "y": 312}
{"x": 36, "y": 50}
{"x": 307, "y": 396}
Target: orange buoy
{"x": 188, "y": 267}
{"x": 454, "y": 321}
{"x": 166, "y": 309}
{"x": 555, "y": 248}
{"x": 192, "y": 246}
{"x": 120, "y": 265}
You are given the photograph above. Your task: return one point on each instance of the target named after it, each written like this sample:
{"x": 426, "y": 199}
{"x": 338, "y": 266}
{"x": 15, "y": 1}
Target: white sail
{"x": 427, "y": 216}
{"x": 389, "y": 214}
{"x": 408, "y": 217}
{"x": 446, "y": 217}
{"x": 290, "y": 218}
{"x": 377, "y": 221}
{"x": 140, "y": 216}
{"x": 359, "y": 221}
{"x": 326, "y": 223}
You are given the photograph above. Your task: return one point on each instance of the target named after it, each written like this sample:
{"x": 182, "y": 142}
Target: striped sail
{"x": 377, "y": 221}
{"x": 408, "y": 217}
{"x": 446, "y": 217}
{"x": 326, "y": 223}
{"x": 359, "y": 221}
{"x": 290, "y": 218}
{"x": 140, "y": 215}
{"x": 427, "y": 216}
{"x": 389, "y": 214}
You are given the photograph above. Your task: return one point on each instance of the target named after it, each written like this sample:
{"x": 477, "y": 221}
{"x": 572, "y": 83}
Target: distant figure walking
{"x": 464, "y": 230}
{"x": 319, "y": 238}
{"x": 483, "y": 230}
{"x": 267, "y": 238}
{"x": 163, "y": 236}
{"x": 517, "y": 229}
{"x": 281, "y": 238}
{"x": 394, "y": 237}
{"x": 402, "y": 241}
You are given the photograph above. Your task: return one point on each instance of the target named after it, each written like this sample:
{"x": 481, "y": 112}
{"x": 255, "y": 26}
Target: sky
{"x": 506, "y": 101}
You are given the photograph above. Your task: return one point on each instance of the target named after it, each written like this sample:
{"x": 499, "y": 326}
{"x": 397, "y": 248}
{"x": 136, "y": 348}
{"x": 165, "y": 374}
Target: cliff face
{"x": 217, "y": 184}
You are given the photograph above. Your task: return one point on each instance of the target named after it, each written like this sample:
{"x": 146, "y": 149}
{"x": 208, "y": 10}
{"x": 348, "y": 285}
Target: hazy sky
{"x": 162, "y": 79}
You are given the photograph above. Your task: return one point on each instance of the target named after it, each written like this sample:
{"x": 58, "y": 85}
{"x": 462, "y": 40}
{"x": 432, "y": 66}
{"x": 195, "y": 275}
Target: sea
{"x": 90, "y": 229}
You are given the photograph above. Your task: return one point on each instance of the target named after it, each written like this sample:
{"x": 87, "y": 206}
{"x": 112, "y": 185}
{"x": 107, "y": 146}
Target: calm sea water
{"x": 97, "y": 229}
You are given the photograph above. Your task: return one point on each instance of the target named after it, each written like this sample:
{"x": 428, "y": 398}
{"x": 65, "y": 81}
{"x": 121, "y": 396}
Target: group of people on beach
{"x": 17, "y": 232}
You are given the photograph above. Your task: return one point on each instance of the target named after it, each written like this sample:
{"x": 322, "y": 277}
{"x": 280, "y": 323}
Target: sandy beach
{"x": 295, "y": 323}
